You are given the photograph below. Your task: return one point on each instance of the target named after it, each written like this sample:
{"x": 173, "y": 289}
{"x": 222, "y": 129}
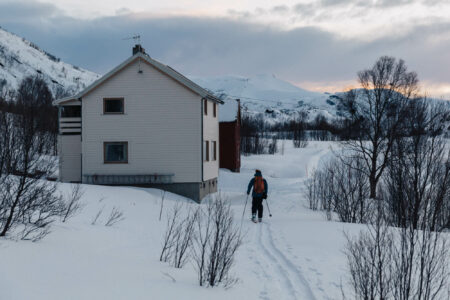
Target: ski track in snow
{"x": 292, "y": 284}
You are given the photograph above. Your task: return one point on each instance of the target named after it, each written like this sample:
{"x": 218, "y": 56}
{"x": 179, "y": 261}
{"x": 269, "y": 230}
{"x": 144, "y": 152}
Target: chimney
{"x": 138, "y": 48}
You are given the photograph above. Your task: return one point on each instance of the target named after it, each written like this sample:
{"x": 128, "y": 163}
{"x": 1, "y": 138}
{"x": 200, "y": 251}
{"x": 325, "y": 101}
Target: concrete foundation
{"x": 193, "y": 190}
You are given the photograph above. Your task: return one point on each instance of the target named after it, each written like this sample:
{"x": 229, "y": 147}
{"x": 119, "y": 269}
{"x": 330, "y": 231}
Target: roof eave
{"x": 213, "y": 98}
{"x": 64, "y": 100}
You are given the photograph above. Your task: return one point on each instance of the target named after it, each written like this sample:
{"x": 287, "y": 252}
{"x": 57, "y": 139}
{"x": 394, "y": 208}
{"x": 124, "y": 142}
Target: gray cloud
{"x": 208, "y": 47}
{"x": 26, "y": 11}
{"x": 333, "y": 2}
{"x": 280, "y": 9}
{"x": 305, "y": 9}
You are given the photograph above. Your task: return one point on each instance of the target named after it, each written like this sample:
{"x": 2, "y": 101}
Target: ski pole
{"x": 245, "y": 206}
{"x": 267, "y": 202}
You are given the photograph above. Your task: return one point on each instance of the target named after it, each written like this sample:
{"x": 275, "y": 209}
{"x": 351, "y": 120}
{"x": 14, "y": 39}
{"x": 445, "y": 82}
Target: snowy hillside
{"x": 262, "y": 94}
{"x": 267, "y": 94}
{"x": 296, "y": 254}
{"x": 20, "y": 58}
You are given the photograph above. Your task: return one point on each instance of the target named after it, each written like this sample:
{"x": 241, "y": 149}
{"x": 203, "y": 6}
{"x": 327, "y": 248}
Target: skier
{"x": 259, "y": 185}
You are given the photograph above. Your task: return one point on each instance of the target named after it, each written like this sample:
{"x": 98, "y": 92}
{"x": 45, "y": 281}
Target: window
{"x": 206, "y": 150}
{"x": 214, "y": 150}
{"x": 113, "y": 106}
{"x": 70, "y": 111}
{"x": 115, "y": 152}
{"x": 205, "y": 106}
{"x": 215, "y": 110}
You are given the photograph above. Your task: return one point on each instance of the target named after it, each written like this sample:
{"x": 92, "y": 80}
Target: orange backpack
{"x": 258, "y": 186}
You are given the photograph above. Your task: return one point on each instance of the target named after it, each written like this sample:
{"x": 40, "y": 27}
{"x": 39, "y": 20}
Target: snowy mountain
{"x": 20, "y": 58}
{"x": 275, "y": 98}
{"x": 262, "y": 94}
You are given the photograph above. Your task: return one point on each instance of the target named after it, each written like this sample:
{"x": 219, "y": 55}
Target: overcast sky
{"x": 318, "y": 45}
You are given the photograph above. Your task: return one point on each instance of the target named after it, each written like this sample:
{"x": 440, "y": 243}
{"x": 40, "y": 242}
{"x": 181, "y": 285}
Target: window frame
{"x": 122, "y": 99}
{"x": 205, "y": 107}
{"x": 215, "y": 110}
{"x": 115, "y": 162}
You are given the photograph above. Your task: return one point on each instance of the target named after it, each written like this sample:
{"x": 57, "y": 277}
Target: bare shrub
{"x": 115, "y": 217}
{"x": 97, "y": 216}
{"x": 201, "y": 241}
{"x": 255, "y": 144}
{"x": 370, "y": 262}
{"x": 180, "y": 231}
{"x": 317, "y": 190}
{"x": 182, "y": 241}
{"x": 216, "y": 243}
{"x": 169, "y": 235}
{"x": 163, "y": 195}
{"x": 73, "y": 204}
{"x": 38, "y": 209}
{"x": 273, "y": 147}
{"x": 406, "y": 263}
{"x": 339, "y": 187}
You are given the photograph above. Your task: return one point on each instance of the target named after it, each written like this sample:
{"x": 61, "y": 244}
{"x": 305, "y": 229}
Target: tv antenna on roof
{"x": 137, "y": 47}
{"x": 136, "y": 38}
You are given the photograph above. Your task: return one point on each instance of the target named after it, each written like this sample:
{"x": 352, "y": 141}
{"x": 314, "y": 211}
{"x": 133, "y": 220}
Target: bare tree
{"x": 298, "y": 128}
{"x": 377, "y": 108}
{"x": 28, "y": 202}
{"x": 417, "y": 183}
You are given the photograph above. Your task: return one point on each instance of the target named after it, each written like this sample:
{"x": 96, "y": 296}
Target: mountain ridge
{"x": 20, "y": 58}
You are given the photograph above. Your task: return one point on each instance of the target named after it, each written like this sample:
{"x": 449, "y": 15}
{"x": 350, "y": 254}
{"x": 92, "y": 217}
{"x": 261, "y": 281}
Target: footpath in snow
{"x": 296, "y": 254}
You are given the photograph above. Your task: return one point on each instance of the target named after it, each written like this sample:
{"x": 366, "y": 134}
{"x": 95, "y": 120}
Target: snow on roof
{"x": 229, "y": 110}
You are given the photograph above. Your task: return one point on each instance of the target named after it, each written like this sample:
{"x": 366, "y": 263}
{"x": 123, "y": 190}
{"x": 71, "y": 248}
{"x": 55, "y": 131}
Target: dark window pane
{"x": 116, "y": 152}
{"x": 113, "y": 105}
{"x": 70, "y": 111}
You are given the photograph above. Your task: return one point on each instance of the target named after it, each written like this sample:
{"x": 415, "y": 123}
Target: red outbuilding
{"x": 230, "y": 135}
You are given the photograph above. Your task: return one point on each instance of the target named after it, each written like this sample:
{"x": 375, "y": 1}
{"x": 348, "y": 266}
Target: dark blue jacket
{"x": 252, "y": 183}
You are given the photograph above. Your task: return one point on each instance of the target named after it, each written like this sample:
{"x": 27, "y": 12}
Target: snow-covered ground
{"x": 296, "y": 254}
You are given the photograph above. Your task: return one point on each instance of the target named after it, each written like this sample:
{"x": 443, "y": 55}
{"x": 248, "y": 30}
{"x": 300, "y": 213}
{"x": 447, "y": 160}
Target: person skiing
{"x": 259, "y": 185}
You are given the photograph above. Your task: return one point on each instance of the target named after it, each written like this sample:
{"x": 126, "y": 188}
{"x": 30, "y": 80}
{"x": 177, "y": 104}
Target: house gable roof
{"x": 157, "y": 65}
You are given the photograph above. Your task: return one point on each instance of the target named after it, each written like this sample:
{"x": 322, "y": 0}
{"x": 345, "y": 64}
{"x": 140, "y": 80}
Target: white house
{"x": 144, "y": 124}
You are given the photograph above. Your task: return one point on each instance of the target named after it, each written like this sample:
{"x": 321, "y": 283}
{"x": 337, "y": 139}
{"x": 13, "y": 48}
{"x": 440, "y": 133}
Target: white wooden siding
{"x": 211, "y": 133}
{"x": 69, "y": 148}
{"x": 161, "y": 123}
